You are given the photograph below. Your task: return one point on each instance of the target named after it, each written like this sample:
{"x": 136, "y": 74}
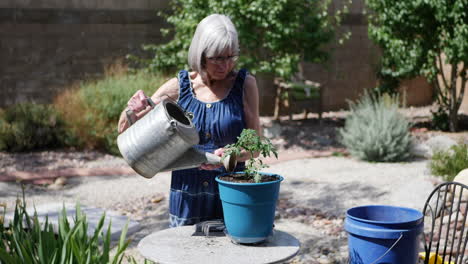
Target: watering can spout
{"x": 194, "y": 158}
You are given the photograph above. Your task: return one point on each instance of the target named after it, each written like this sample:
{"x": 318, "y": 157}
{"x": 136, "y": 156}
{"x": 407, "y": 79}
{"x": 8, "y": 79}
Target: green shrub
{"x": 29, "y": 126}
{"x": 274, "y": 35}
{"x": 376, "y": 131}
{"x": 440, "y": 119}
{"x": 423, "y": 38}
{"x": 24, "y": 240}
{"x": 92, "y": 110}
{"x": 449, "y": 163}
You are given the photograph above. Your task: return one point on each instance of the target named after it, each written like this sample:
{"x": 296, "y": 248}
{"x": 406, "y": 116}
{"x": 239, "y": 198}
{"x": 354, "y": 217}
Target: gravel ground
{"x": 314, "y": 197}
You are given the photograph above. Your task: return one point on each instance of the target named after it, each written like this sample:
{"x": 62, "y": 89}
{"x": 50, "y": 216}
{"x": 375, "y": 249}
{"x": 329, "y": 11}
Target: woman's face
{"x": 218, "y": 67}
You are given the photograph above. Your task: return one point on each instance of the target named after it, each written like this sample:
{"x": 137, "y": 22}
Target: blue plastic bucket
{"x": 383, "y": 234}
{"x": 249, "y": 208}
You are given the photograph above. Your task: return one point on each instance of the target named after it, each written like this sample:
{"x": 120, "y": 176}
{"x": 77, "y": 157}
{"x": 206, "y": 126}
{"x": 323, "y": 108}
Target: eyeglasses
{"x": 220, "y": 59}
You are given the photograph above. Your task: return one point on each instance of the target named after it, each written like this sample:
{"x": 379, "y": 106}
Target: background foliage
{"x": 376, "y": 131}
{"x": 93, "y": 109}
{"x": 85, "y": 116}
{"x": 274, "y": 36}
{"x": 417, "y": 37}
{"x": 26, "y": 127}
{"x": 449, "y": 163}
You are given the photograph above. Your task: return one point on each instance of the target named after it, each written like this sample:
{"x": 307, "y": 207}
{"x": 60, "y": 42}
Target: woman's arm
{"x": 139, "y": 105}
{"x": 251, "y": 111}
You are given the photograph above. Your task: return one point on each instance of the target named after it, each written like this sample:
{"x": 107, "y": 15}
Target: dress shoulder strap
{"x": 239, "y": 83}
{"x": 184, "y": 84}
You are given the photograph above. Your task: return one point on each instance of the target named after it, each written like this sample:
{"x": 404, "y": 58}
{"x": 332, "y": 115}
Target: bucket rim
{"x": 417, "y": 219}
{"x": 280, "y": 178}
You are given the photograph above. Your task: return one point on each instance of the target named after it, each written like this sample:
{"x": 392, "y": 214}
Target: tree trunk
{"x": 454, "y": 106}
{"x": 453, "y": 120}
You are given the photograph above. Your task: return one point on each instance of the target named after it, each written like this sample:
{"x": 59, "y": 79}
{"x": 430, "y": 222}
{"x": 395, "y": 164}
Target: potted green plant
{"x": 249, "y": 197}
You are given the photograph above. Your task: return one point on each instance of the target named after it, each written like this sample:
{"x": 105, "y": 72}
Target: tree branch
{"x": 463, "y": 85}
{"x": 439, "y": 59}
{"x": 440, "y": 94}
{"x": 453, "y": 86}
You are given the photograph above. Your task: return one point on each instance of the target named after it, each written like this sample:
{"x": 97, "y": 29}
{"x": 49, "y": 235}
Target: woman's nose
{"x": 224, "y": 64}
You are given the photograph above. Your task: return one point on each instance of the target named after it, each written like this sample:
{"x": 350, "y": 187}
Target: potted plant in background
{"x": 249, "y": 197}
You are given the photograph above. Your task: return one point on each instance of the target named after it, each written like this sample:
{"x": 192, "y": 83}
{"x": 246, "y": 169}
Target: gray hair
{"x": 214, "y": 34}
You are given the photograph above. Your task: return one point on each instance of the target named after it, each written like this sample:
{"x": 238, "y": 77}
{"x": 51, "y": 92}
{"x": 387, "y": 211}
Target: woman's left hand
{"x": 219, "y": 152}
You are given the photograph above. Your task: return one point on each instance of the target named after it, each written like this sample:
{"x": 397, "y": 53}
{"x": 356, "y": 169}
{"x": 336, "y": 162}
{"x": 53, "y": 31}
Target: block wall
{"x": 47, "y": 45}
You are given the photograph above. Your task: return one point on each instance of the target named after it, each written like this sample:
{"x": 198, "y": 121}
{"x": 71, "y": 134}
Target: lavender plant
{"x": 252, "y": 143}
{"x": 376, "y": 131}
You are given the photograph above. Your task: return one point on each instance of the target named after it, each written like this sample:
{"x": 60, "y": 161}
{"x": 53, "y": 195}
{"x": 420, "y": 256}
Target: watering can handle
{"x": 130, "y": 117}
{"x": 150, "y": 102}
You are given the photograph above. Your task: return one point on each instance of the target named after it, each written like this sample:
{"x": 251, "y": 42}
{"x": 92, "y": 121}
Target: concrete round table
{"x": 178, "y": 246}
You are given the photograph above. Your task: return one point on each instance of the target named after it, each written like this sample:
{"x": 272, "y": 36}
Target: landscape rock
{"x": 440, "y": 143}
{"x": 462, "y": 177}
{"x": 420, "y": 150}
{"x": 272, "y": 130}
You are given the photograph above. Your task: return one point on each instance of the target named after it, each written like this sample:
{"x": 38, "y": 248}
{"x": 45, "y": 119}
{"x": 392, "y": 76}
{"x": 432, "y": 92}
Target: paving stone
{"x": 93, "y": 215}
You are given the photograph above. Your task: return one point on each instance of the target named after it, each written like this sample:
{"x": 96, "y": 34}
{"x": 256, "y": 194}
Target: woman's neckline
{"x": 214, "y": 102}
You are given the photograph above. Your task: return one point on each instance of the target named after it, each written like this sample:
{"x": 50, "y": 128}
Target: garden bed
{"x": 301, "y": 137}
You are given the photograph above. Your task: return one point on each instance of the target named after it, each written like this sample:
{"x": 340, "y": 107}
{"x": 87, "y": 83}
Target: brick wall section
{"x": 46, "y": 46}
{"x": 353, "y": 66}
{"x": 350, "y": 70}
{"x": 86, "y": 4}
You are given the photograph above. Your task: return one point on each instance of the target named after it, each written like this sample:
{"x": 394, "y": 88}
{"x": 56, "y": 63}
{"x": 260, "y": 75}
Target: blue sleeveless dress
{"x": 194, "y": 195}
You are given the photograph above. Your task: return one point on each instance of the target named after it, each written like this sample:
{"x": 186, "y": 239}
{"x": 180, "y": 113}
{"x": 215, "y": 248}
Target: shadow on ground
{"x": 318, "y": 217}
{"x": 325, "y": 199}
{"x": 307, "y": 134}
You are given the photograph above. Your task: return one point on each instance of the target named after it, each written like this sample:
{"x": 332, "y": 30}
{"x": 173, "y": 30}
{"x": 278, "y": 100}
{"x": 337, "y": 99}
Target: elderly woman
{"x": 224, "y": 102}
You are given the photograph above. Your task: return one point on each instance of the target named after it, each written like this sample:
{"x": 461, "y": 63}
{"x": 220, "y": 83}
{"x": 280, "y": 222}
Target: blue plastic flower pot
{"x": 249, "y": 208}
{"x": 383, "y": 234}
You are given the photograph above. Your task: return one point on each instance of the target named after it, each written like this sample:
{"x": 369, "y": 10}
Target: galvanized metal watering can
{"x": 163, "y": 140}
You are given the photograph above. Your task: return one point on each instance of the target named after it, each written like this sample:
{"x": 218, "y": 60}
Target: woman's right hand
{"x": 205, "y": 166}
{"x": 138, "y": 102}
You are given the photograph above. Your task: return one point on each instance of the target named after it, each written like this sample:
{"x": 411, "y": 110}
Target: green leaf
{"x": 41, "y": 245}
{"x": 252, "y": 143}
{"x": 6, "y": 258}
